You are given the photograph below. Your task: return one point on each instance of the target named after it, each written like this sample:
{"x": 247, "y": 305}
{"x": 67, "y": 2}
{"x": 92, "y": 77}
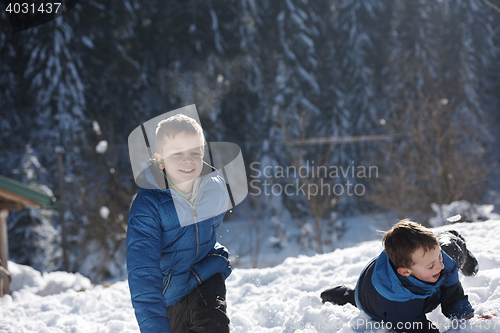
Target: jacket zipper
{"x": 195, "y": 215}
{"x": 197, "y": 231}
{"x": 167, "y": 283}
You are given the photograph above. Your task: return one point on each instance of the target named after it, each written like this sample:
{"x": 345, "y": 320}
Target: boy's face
{"x": 426, "y": 265}
{"x": 182, "y": 159}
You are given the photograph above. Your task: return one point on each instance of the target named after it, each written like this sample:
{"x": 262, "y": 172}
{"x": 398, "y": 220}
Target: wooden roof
{"x": 14, "y": 195}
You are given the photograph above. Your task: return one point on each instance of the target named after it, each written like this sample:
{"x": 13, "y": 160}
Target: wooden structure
{"x": 15, "y": 196}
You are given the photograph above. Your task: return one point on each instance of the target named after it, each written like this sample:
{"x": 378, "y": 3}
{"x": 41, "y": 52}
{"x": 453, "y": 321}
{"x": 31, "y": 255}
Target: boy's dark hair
{"x": 170, "y": 127}
{"x": 404, "y": 238}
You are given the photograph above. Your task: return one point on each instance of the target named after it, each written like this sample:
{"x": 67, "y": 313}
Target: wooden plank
{"x": 25, "y": 191}
{"x": 4, "y": 248}
{"x": 5, "y": 279}
{"x": 11, "y": 205}
{"x": 9, "y": 196}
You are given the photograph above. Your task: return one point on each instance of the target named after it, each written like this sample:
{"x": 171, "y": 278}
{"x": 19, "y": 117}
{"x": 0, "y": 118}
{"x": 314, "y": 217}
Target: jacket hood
{"x": 212, "y": 199}
{"x": 395, "y": 287}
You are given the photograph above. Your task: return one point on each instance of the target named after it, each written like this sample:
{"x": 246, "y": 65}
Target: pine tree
{"x": 437, "y": 132}
{"x": 13, "y": 101}
{"x": 306, "y": 97}
{"x": 33, "y": 240}
{"x": 361, "y": 31}
{"x": 8, "y": 83}
{"x": 469, "y": 51}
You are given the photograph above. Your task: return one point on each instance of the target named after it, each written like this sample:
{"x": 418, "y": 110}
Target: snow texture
{"x": 284, "y": 298}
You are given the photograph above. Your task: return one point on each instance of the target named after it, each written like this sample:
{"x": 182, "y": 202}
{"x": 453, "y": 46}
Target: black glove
{"x": 339, "y": 295}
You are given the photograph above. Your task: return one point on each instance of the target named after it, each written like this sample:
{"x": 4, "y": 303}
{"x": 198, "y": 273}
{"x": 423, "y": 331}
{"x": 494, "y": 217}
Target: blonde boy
{"x": 176, "y": 268}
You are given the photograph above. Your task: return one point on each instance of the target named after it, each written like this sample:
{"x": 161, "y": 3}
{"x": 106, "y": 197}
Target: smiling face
{"x": 426, "y": 265}
{"x": 182, "y": 159}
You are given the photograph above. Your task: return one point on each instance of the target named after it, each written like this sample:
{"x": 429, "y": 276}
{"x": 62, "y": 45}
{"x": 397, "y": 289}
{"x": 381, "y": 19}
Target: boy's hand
{"x": 469, "y": 315}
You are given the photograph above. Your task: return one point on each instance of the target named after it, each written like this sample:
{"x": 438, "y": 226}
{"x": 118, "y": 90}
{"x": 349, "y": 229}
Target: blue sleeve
{"x": 216, "y": 261}
{"x": 220, "y": 200}
{"x": 144, "y": 274}
{"x": 454, "y": 302}
{"x": 218, "y": 221}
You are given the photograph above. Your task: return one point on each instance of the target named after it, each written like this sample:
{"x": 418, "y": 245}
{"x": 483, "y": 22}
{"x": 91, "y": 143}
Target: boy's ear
{"x": 403, "y": 271}
{"x": 159, "y": 160}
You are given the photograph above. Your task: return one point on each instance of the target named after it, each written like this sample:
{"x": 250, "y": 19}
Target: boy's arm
{"x": 454, "y": 302}
{"x": 144, "y": 274}
{"x": 217, "y": 260}
{"x": 221, "y": 200}
{"x": 218, "y": 221}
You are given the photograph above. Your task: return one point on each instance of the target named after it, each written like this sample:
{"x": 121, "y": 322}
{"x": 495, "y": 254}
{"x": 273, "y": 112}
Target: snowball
{"x": 101, "y": 147}
{"x": 96, "y": 128}
{"x": 104, "y": 211}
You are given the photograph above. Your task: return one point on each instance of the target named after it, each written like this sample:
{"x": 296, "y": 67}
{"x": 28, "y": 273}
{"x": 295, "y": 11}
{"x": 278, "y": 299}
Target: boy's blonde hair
{"x": 170, "y": 127}
{"x": 404, "y": 238}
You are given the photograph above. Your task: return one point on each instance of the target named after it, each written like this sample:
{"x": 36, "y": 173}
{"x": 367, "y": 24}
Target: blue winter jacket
{"x": 388, "y": 296}
{"x": 166, "y": 261}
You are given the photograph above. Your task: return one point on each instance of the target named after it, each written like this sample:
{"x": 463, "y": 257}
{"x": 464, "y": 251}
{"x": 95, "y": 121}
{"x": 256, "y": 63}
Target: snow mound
{"x": 467, "y": 212}
{"x": 284, "y": 298}
{"x": 26, "y": 280}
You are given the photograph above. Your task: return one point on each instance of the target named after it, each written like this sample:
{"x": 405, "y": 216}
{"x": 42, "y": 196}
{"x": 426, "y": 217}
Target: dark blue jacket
{"x": 166, "y": 261}
{"x": 388, "y": 296}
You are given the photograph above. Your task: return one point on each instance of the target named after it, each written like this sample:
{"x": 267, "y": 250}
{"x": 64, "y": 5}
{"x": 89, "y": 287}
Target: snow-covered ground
{"x": 284, "y": 298}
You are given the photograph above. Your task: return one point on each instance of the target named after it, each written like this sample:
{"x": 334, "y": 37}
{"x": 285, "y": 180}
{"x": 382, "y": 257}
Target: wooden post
{"x": 60, "y": 169}
{"x": 4, "y": 251}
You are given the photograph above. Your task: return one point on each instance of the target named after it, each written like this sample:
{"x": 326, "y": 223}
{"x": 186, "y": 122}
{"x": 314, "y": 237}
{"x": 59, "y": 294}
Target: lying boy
{"x": 176, "y": 269}
{"x": 410, "y": 278}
